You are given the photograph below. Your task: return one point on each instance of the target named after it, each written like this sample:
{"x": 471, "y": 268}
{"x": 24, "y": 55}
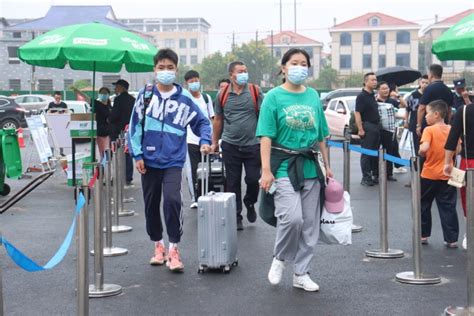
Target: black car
{"x": 12, "y": 115}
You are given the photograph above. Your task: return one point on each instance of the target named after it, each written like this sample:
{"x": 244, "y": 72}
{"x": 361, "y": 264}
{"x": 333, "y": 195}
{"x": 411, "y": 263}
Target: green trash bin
{"x": 10, "y": 159}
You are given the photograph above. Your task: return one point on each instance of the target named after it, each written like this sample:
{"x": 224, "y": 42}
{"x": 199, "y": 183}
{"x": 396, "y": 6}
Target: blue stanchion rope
{"x": 28, "y": 264}
{"x": 368, "y": 152}
{"x": 399, "y": 161}
{"x": 335, "y": 144}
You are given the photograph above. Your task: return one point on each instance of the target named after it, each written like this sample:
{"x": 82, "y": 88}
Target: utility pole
{"x": 295, "y": 14}
{"x": 281, "y": 16}
{"x": 271, "y": 43}
{"x": 233, "y": 41}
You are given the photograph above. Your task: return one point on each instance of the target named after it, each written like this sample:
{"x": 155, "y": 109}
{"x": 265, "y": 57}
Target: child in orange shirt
{"x": 434, "y": 183}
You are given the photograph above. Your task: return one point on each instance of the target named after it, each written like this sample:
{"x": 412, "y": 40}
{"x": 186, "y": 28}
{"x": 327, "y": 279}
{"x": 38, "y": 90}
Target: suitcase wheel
{"x": 226, "y": 269}
{"x": 235, "y": 263}
{"x": 201, "y": 270}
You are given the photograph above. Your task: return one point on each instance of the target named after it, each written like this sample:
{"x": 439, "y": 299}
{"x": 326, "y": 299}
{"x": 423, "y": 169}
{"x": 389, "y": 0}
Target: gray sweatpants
{"x": 298, "y": 217}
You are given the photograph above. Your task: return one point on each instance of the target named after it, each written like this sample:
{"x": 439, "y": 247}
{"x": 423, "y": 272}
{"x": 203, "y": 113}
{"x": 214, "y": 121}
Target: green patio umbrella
{"x": 91, "y": 46}
{"x": 457, "y": 43}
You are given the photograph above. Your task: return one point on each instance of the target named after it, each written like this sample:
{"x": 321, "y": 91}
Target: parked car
{"x": 12, "y": 115}
{"x": 34, "y": 102}
{"x": 338, "y": 115}
{"x": 78, "y": 106}
{"x": 346, "y": 92}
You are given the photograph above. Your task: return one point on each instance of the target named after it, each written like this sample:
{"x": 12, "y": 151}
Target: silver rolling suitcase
{"x": 217, "y": 228}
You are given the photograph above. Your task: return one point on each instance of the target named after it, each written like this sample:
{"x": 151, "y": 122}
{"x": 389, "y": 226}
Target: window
{"x": 367, "y": 38}
{"x": 16, "y": 34}
{"x": 403, "y": 59}
{"x": 469, "y": 63}
{"x": 277, "y": 52}
{"x": 447, "y": 63}
{"x": 193, "y": 43}
{"x": 194, "y": 59}
{"x": 182, "y": 43}
{"x": 309, "y": 50}
{"x": 15, "y": 84}
{"x": 183, "y": 60}
{"x": 345, "y": 62}
{"x": 340, "y": 107}
{"x": 68, "y": 83}
{"x": 367, "y": 61}
{"x": 382, "y": 61}
{"x": 332, "y": 105}
{"x": 346, "y": 39}
{"x": 375, "y": 21}
{"x": 13, "y": 55}
{"x": 169, "y": 43}
{"x": 107, "y": 80}
{"x": 403, "y": 37}
{"x": 45, "y": 84}
{"x": 382, "y": 37}
{"x": 4, "y": 102}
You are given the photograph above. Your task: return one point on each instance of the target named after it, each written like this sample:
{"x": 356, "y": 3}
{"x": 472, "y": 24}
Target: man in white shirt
{"x": 204, "y": 102}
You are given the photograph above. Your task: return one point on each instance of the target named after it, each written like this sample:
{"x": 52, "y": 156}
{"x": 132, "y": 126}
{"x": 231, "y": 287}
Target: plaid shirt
{"x": 387, "y": 116}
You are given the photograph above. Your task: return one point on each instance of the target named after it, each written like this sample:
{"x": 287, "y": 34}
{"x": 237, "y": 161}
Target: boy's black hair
{"x": 166, "y": 53}
{"x": 436, "y": 71}
{"x": 191, "y": 74}
{"x": 58, "y": 93}
{"x": 439, "y": 106}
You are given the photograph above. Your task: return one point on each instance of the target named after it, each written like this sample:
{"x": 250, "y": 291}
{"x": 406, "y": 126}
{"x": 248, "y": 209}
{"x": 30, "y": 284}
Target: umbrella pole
{"x": 92, "y": 113}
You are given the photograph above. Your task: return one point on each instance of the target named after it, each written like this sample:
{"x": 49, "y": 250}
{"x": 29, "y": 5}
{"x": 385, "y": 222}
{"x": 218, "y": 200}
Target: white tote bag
{"x": 336, "y": 228}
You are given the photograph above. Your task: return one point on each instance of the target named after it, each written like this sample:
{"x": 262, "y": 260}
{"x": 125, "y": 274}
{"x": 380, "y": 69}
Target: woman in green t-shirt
{"x": 291, "y": 122}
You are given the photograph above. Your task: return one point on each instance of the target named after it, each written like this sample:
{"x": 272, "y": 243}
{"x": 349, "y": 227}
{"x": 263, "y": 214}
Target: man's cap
{"x": 122, "y": 83}
{"x": 459, "y": 83}
{"x": 334, "y": 196}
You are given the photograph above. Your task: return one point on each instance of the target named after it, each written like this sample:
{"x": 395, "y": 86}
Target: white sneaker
{"x": 400, "y": 170}
{"x": 276, "y": 271}
{"x": 464, "y": 242}
{"x": 304, "y": 282}
{"x": 194, "y": 205}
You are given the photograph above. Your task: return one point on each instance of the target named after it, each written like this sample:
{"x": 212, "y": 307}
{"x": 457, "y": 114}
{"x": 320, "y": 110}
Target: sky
{"x": 247, "y": 17}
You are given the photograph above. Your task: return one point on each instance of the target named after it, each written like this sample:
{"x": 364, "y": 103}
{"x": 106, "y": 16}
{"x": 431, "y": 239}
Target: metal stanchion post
{"x": 82, "y": 255}
{"x": 109, "y": 251}
{"x": 329, "y": 151}
{"x": 99, "y": 289}
{"x": 116, "y": 228}
{"x": 384, "y": 252}
{"x": 469, "y": 309}
{"x": 347, "y": 176}
{"x": 416, "y": 276}
{"x": 121, "y": 179}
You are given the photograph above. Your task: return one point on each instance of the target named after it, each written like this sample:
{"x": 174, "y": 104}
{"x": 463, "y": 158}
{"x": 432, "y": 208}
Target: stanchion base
{"x": 457, "y": 311}
{"x": 389, "y": 254}
{"x": 121, "y": 229}
{"x": 107, "y": 290}
{"x": 356, "y": 228}
{"x": 129, "y": 200}
{"x": 113, "y": 252}
{"x": 126, "y": 213}
{"x": 408, "y": 277}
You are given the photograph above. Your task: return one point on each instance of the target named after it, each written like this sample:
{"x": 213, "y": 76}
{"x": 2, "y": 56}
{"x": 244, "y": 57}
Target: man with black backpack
{"x": 236, "y": 116}
{"x": 204, "y": 101}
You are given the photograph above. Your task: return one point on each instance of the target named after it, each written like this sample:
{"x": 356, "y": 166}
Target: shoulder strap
{"x": 254, "y": 92}
{"x": 224, "y": 95}
{"x": 147, "y": 95}
{"x": 206, "y": 98}
{"x": 464, "y": 129}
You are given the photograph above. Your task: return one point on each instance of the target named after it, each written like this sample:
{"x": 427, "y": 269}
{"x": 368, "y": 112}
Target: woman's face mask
{"x": 297, "y": 74}
{"x": 103, "y": 97}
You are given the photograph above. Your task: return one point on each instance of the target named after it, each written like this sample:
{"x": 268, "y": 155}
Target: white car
{"x": 338, "y": 115}
{"x": 78, "y": 106}
{"x": 34, "y": 102}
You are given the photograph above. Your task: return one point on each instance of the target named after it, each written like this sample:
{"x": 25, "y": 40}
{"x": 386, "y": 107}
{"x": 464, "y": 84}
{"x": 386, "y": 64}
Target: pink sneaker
{"x": 174, "y": 261}
{"x": 160, "y": 255}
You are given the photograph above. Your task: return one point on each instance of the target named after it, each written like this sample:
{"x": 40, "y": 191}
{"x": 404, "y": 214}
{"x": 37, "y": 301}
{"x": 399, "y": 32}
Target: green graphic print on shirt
{"x": 294, "y": 120}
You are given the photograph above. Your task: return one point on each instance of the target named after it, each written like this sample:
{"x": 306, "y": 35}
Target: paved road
{"x": 351, "y": 284}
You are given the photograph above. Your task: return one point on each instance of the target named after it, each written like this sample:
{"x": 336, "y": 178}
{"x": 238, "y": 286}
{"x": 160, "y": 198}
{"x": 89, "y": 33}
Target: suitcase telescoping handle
{"x": 205, "y": 174}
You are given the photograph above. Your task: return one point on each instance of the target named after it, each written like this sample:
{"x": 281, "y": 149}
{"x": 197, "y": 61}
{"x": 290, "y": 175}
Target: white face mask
{"x": 297, "y": 74}
{"x": 166, "y": 77}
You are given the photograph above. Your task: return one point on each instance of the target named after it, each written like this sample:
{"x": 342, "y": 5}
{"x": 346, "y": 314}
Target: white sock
{"x": 159, "y": 242}
{"x": 172, "y": 244}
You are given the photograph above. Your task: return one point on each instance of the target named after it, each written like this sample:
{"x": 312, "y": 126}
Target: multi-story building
{"x": 373, "y": 41}
{"x": 189, "y": 37}
{"x": 280, "y": 43}
{"x": 452, "y": 69}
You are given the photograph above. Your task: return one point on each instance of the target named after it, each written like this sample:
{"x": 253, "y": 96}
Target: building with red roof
{"x": 280, "y": 43}
{"x": 372, "y": 41}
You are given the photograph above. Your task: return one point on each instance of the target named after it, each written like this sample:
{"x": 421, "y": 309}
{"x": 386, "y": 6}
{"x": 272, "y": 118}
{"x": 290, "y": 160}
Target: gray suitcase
{"x": 217, "y": 229}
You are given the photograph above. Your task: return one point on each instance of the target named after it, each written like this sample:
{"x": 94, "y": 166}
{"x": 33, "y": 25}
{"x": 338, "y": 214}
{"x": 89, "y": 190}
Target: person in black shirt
{"x": 461, "y": 95}
{"x": 368, "y": 123}
{"x": 411, "y": 115}
{"x": 119, "y": 118}
{"x": 436, "y": 90}
{"x": 57, "y": 106}
{"x": 102, "y": 110}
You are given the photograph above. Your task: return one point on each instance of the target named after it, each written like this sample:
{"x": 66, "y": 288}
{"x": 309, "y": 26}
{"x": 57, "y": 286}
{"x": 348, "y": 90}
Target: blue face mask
{"x": 166, "y": 77}
{"x": 103, "y": 97}
{"x": 194, "y": 86}
{"x": 242, "y": 78}
{"x": 297, "y": 74}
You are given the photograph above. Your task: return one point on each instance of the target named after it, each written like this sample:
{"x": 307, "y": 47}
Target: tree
{"x": 259, "y": 61}
{"x": 328, "y": 78}
{"x": 354, "y": 80}
{"x": 469, "y": 76}
{"x": 214, "y": 68}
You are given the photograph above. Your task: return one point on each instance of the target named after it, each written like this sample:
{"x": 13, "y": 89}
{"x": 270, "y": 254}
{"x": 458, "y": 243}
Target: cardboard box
{"x": 81, "y": 126}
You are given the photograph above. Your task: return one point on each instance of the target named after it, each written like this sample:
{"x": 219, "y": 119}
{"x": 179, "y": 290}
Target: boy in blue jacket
{"x": 158, "y": 125}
